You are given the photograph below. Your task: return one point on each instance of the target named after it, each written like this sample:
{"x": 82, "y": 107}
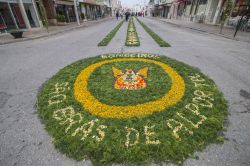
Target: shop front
{"x": 193, "y": 10}
{"x": 66, "y": 8}
{"x": 178, "y": 8}
{"x": 90, "y": 9}
{"x": 107, "y": 11}
{"x": 158, "y": 10}
{"x": 59, "y": 11}
{"x": 12, "y": 17}
{"x": 166, "y": 10}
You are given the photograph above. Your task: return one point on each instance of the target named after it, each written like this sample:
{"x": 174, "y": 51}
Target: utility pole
{"x": 76, "y": 13}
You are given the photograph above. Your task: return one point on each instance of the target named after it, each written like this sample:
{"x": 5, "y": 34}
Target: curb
{"x": 55, "y": 33}
{"x": 201, "y": 30}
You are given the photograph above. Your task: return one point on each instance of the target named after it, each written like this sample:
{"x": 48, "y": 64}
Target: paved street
{"x": 36, "y": 33}
{"x": 25, "y": 66}
{"x": 227, "y": 32}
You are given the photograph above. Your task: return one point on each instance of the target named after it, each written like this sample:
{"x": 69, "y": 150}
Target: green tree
{"x": 44, "y": 15}
{"x": 226, "y": 10}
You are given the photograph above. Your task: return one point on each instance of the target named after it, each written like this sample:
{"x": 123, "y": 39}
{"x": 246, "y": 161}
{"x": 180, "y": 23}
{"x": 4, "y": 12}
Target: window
{"x": 203, "y": 2}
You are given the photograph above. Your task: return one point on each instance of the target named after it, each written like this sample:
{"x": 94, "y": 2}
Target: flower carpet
{"x": 105, "y": 41}
{"x": 131, "y": 108}
{"x": 132, "y": 39}
{"x": 156, "y": 37}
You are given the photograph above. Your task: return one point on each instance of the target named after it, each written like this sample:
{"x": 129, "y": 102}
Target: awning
{"x": 10, "y": 1}
{"x": 93, "y": 2}
{"x": 16, "y": 1}
{"x": 99, "y": 2}
{"x": 167, "y": 4}
{"x": 180, "y": 1}
{"x": 62, "y": 2}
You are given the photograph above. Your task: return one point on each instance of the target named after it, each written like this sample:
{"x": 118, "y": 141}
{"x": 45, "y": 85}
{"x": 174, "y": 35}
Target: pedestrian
{"x": 117, "y": 15}
{"x": 244, "y": 23}
{"x": 127, "y": 14}
{"x": 121, "y": 16}
{"x": 96, "y": 15}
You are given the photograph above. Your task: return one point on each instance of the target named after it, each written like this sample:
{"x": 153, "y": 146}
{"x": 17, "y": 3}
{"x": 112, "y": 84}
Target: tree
{"x": 226, "y": 10}
{"x": 44, "y": 15}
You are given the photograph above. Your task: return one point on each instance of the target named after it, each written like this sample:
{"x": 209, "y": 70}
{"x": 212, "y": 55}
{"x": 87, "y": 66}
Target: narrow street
{"x": 26, "y": 66}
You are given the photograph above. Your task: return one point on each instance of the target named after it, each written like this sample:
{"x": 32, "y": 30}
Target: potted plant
{"x": 82, "y": 16}
{"x": 61, "y": 19}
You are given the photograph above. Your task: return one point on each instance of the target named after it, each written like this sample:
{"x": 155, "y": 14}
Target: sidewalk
{"x": 37, "y": 33}
{"x": 227, "y": 32}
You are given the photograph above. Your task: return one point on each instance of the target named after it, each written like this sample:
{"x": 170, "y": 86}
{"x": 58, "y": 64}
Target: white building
{"x": 116, "y": 7}
{"x": 151, "y": 8}
{"x": 107, "y": 8}
{"x": 207, "y": 11}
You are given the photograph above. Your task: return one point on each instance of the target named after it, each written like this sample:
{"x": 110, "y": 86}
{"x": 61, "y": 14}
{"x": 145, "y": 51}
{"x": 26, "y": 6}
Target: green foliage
{"x": 156, "y": 38}
{"x": 227, "y": 10}
{"x": 82, "y": 16}
{"x": 43, "y": 14}
{"x": 105, "y": 41}
{"x": 225, "y": 14}
{"x": 60, "y": 18}
{"x": 112, "y": 148}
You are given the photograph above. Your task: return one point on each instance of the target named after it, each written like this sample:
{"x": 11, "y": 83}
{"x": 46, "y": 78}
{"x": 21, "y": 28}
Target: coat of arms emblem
{"x": 130, "y": 79}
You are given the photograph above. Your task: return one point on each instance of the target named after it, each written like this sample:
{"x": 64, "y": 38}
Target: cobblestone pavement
{"x": 25, "y": 66}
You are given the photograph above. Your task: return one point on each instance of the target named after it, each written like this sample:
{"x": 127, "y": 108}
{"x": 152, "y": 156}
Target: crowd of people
{"x": 127, "y": 14}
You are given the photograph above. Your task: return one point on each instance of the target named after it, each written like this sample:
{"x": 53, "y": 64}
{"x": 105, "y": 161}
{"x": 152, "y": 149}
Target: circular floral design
{"x": 179, "y": 109}
{"x": 104, "y": 83}
{"x": 91, "y": 104}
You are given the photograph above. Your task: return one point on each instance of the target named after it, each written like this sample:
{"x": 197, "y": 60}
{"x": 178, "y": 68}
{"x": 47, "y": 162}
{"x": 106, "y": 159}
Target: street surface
{"x": 25, "y": 66}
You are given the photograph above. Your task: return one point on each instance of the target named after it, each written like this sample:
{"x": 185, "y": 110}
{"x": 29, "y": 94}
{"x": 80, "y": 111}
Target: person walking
{"x": 244, "y": 22}
{"x": 96, "y": 15}
{"x": 117, "y": 15}
{"x": 127, "y": 14}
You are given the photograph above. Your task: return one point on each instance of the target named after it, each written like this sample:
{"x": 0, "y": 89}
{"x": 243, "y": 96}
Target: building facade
{"x": 210, "y": 11}
{"x": 116, "y": 7}
{"x": 18, "y": 14}
{"x": 197, "y": 10}
{"x": 151, "y": 8}
{"x": 59, "y": 11}
{"x": 90, "y": 9}
{"x": 164, "y": 8}
{"x": 93, "y": 9}
{"x": 202, "y": 11}
{"x": 107, "y": 8}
